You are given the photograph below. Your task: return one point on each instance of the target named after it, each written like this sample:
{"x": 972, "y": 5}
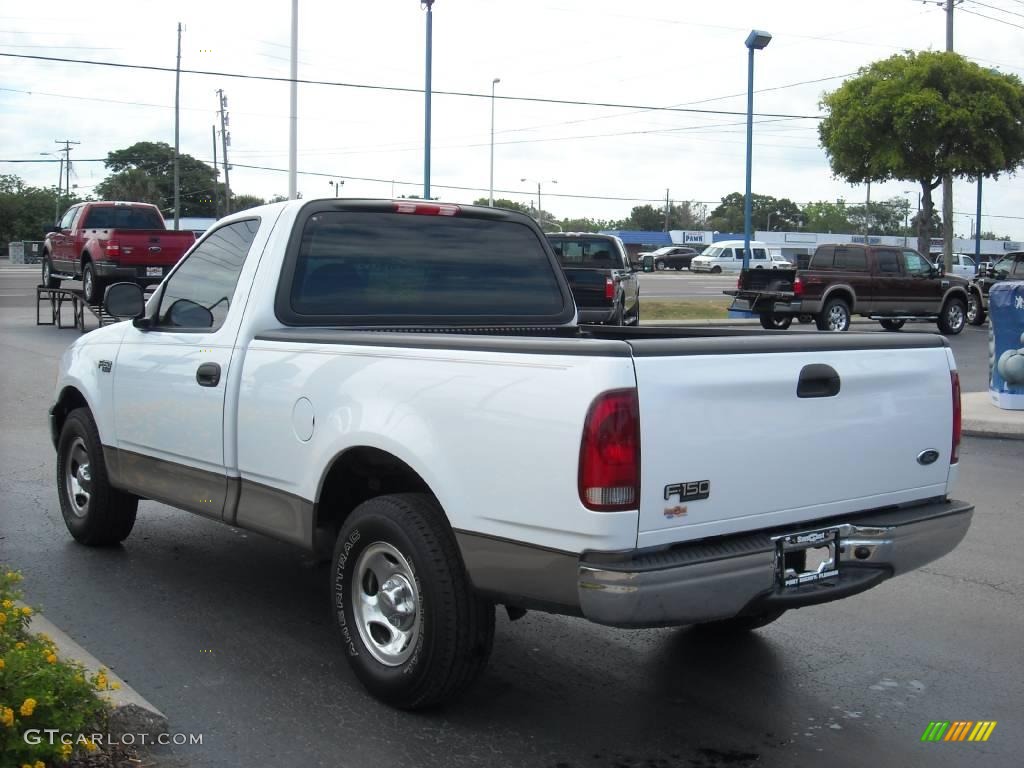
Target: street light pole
{"x": 977, "y": 229}
{"x": 756, "y": 40}
{"x": 426, "y": 93}
{"x": 336, "y": 185}
{"x": 490, "y": 198}
{"x": 539, "y": 209}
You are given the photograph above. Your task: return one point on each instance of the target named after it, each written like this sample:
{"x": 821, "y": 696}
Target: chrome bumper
{"x": 736, "y": 575}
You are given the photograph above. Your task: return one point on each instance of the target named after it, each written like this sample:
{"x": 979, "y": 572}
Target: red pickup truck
{"x": 106, "y": 242}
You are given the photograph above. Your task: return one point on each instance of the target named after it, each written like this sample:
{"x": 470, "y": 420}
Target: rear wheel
{"x": 94, "y": 511}
{"x": 92, "y": 286}
{"x": 775, "y": 322}
{"x": 636, "y": 313}
{"x": 415, "y": 632}
{"x": 740, "y": 624}
{"x": 835, "y": 316}
{"x": 892, "y": 325}
{"x": 975, "y": 309}
{"x": 953, "y": 317}
{"x": 619, "y": 318}
{"x": 49, "y": 281}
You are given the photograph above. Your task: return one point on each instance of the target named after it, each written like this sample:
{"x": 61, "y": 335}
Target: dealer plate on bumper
{"x": 806, "y": 557}
{"x": 154, "y": 271}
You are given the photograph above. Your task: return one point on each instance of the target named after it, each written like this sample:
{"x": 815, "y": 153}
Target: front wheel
{"x": 953, "y": 317}
{"x": 716, "y": 270}
{"x": 772, "y": 322}
{"x": 94, "y": 511}
{"x": 975, "y": 309}
{"x": 415, "y": 632}
{"x": 892, "y": 325}
{"x": 835, "y": 316}
{"x": 49, "y": 281}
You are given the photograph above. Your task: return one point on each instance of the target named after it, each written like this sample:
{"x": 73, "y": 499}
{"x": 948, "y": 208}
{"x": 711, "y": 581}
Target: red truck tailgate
{"x": 144, "y": 247}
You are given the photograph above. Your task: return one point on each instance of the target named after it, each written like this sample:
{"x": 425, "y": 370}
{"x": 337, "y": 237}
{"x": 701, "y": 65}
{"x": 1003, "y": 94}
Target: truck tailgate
{"x": 588, "y": 287}
{"x": 156, "y": 247}
{"x": 772, "y": 457}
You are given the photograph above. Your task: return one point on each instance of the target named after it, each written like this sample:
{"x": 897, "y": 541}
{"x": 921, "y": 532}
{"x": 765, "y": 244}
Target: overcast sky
{"x": 646, "y": 52}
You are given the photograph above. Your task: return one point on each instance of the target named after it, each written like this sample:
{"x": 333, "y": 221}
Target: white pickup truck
{"x": 405, "y": 384}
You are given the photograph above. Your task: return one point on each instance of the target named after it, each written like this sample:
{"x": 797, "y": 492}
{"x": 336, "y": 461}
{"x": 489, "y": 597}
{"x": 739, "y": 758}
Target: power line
{"x": 995, "y": 8}
{"x": 990, "y": 18}
{"x": 400, "y": 89}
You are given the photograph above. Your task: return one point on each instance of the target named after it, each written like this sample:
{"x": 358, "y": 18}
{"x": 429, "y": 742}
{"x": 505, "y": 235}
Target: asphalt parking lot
{"x": 229, "y": 634}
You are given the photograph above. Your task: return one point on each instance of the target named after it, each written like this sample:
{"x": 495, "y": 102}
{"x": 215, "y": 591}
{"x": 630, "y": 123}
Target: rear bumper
{"x": 766, "y": 303}
{"x": 134, "y": 274}
{"x": 736, "y": 575}
{"x": 595, "y": 315}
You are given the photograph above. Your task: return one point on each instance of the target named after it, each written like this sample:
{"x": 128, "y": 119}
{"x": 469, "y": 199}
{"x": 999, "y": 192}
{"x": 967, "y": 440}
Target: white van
{"x": 727, "y": 256}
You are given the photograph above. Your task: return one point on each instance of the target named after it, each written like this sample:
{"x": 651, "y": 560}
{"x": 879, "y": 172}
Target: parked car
{"x": 600, "y": 276}
{"x": 1010, "y": 267}
{"x": 409, "y": 391}
{"x": 101, "y": 242}
{"x": 727, "y": 256}
{"x": 963, "y": 264}
{"x": 889, "y": 284}
{"x": 778, "y": 261}
{"x": 675, "y": 257}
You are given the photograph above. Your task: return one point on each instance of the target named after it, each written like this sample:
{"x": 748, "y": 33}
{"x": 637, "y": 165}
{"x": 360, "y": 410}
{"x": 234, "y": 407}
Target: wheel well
{"x": 69, "y": 400}
{"x": 355, "y": 476}
{"x": 956, "y": 294}
{"x": 840, "y": 293}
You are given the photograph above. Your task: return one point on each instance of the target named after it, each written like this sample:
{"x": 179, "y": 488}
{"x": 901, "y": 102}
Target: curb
{"x": 983, "y": 419}
{"x": 129, "y": 711}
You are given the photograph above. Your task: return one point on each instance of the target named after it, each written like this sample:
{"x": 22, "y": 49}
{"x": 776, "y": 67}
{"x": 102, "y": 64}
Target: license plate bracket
{"x": 806, "y": 557}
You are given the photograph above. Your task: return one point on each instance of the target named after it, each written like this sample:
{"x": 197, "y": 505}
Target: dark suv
{"x": 1010, "y": 267}
{"x": 886, "y": 283}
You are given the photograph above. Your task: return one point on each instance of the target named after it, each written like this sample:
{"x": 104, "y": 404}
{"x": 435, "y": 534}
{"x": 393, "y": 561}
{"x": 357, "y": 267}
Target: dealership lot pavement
{"x": 229, "y": 634}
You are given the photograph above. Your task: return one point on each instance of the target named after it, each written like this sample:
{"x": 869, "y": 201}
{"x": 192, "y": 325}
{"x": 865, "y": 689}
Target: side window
{"x": 851, "y": 259}
{"x": 967, "y": 261}
{"x": 737, "y": 253}
{"x": 916, "y": 264}
{"x": 888, "y": 263}
{"x": 198, "y": 294}
{"x": 823, "y": 258}
{"x": 1018, "y": 268}
{"x": 760, "y": 253}
{"x": 69, "y": 216}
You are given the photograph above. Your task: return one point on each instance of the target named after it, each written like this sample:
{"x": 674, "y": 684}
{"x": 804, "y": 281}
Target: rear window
{"x": 592, "y": 252}
{"x": 384, "y": 265}
{"x": 122, "y": 217}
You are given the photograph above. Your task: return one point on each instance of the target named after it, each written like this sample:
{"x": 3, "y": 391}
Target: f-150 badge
{"x": 691, "y": 491}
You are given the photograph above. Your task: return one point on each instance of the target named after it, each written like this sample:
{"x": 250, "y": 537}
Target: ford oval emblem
{"x": 927, "y": 457}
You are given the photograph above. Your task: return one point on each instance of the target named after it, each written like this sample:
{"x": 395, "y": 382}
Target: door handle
{"x": 208, "y": 375}
{"x": 818, "y": 380}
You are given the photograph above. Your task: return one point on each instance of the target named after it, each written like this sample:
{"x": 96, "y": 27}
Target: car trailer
{"x": 58, "y": 297}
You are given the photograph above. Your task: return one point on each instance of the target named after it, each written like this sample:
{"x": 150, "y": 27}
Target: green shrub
{"x": 38, "y": 690}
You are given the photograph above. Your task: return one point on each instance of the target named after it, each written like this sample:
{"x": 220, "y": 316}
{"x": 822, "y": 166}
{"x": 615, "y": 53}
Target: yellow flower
{"x": 2, "y": 665}
{"x": 8, "y": 604}
{"x": 66, "y": 750}
{"x": 26, "y": 611}
{"x": 25, "y": 765}
{"x": 3, "y": 618}
{"x": 90, "y": 745}
{"x": 28, "y": 706}
{"x": 39, "y": 764}
{"x": 7, "y": 716}
{"x": 19, "y": 646}
{"x": 52, "y": 658}
{"x": 101, "y": 682}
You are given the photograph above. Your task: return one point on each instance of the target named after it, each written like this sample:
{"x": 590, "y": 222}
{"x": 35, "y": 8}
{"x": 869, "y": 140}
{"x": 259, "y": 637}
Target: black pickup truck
{"x": 600, "y": 276}
{"x": 1010, "y": 267}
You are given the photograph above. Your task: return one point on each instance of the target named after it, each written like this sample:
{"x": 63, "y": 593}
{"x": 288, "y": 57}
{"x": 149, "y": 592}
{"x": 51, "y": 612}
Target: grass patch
{"x": 684, "y": 309}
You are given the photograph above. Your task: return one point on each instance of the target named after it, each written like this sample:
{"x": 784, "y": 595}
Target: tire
{"x": 96, "y": 513}
{"x": 976, "y": 314}
{"x": 892, "y": 325}
{"x": 739, "y": 624}
{"x": 659, "y": 265}
{"x": 92, "y": 286}
{"x": 953, "y": 317}
{"x": 716, "y": 270}
{"x": 678, "y": 268}
{"x": 636, "y": 314}
{"x": 619, "y": 318}
{"x": 772, "y": 322}
{"x": 835, "y": 316}
{"x": 438, "y": 634}
{"x": 49, "y": 281}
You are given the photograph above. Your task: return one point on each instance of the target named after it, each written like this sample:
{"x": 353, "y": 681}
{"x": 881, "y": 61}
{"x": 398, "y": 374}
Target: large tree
{"x": 155, "y": 160}
{"x": 651, "y": 218}
{"x": 25, "y": 211}
{"x": 767, "y": 213}
{"x": 918, "y": 116}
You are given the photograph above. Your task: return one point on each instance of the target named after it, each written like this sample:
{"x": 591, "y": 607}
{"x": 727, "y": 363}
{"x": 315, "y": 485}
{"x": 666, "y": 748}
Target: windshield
{"x": 714, "y": 251}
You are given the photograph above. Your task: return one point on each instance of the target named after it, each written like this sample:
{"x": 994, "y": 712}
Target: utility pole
{"x": 177, "y": 98}
{"x": 225, "y": 139}
{"x": 216, "y": 173}
{"x": 293, "y": 136}
{"x": 867, "y": 216}
{"x": 947, "y": 179}
{"x": 666, "y": 211}
{"x": 427, "y": 93}
{"x": 67, "y": 163}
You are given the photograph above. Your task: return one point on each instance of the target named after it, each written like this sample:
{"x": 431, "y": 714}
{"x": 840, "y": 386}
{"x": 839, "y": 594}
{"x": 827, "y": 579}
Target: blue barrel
{"x": 1006, "y": 344}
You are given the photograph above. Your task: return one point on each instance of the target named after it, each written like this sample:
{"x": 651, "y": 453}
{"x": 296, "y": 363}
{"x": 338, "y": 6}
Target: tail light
{"x": 427, "y": 209}
{"x": 954, "y": 454}
{"x": 609, "y": 288}
{"x": 798, "y": 286}
{"x": 609, "y": 473}
{"x": 113, "y": 247}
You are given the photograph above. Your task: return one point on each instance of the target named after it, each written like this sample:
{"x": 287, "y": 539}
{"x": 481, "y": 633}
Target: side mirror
{"x": 49, "y": 229}
{"x": 124, "y": 301}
